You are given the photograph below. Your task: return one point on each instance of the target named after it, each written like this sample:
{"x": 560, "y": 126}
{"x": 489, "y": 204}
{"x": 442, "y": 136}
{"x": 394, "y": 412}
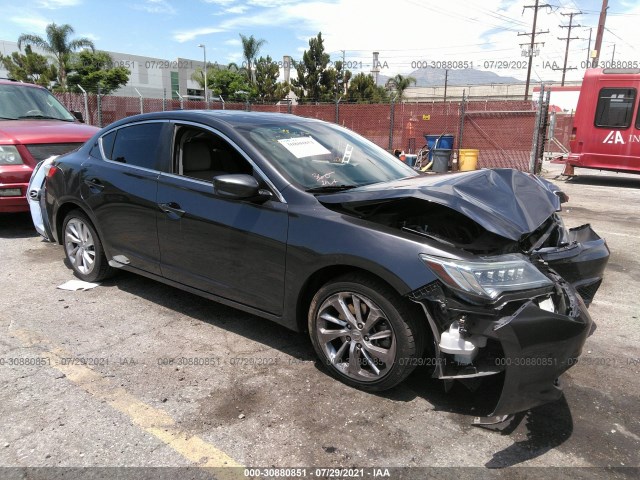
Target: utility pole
{"x": 375, "y": 70}
{"x": 206, "y": 96}
{"x": 344, "y": 69}
{"x": 446, "y": 75}
{"x": 533, "y": 34}
{"x": 568, "y": 38}
{"x": 589, "y": 49}
{"x": 600, "y": 32}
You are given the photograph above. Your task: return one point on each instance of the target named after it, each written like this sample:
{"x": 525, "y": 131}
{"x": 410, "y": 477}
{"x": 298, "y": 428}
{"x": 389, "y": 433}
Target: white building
{"x": 151, "y": 77}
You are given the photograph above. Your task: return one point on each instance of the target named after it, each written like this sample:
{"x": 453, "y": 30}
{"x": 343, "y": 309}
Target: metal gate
{"x": 502, "y": 135}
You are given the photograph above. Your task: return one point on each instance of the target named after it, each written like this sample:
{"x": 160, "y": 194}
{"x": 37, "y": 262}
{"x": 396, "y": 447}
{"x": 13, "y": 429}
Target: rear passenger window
{"x": 107, "y": 144}
{"x": 139, "y": 145}
{"x": 95, "y": 151}
{"x": 615, "y": 107}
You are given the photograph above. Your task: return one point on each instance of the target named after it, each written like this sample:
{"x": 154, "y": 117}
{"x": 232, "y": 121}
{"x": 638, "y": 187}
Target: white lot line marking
{"x": 150, "y": 419}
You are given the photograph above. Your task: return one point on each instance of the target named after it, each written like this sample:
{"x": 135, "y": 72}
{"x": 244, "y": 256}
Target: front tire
{"x": 83, "y": 248}
{"x": 366, "y": 334}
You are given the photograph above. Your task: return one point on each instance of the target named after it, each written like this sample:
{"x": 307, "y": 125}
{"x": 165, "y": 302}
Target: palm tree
{"x": 58, "y": 45}
{"x": 250, "y": 49}
{"x": 400, "y": 83}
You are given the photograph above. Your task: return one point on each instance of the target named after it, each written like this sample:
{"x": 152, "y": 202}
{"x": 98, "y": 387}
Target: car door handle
{"x": 172, "y": 209}
{"x": 94, "y": 184}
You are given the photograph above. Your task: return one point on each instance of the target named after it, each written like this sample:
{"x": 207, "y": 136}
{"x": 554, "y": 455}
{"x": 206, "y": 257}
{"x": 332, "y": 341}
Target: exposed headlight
{"x": 489, "y": 276}
{"x": 9, "y": 155}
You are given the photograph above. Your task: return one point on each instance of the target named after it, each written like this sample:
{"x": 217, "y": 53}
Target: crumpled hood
{"x": 506, "y": 202}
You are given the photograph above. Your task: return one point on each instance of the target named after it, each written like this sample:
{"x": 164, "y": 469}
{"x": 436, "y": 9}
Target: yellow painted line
{"x": 150, "y": 419}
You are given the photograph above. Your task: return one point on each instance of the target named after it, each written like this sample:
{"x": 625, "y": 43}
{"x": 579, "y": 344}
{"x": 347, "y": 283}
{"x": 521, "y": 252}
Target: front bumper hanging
{"x": 532, "y": 346}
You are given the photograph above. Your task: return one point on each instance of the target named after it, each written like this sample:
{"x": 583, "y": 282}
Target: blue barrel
{"x": 444, "y": 142}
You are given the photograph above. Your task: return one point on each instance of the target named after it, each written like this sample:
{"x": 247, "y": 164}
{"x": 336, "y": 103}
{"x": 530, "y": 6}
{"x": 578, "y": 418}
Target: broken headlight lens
{"x": 489, "y": 276}
{"x": 9, "y": 155}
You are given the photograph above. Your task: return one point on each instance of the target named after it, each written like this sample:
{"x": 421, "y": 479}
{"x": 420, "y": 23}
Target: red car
{"x": 33, "y": 126}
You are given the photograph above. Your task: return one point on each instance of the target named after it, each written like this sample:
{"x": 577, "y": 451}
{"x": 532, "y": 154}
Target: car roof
{"x": 229, "y": 117}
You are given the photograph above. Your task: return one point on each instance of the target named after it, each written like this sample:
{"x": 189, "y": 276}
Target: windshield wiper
{"x": 8, "y": 118}
{"x": 330, "y": 188}
{"x": 44, "y": 117}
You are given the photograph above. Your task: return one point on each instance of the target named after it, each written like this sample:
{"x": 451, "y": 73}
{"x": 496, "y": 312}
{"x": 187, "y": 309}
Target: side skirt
{"x": 230, "y": 303}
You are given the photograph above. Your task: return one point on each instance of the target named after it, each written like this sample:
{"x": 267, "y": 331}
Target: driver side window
{"x": 202, "y": 155}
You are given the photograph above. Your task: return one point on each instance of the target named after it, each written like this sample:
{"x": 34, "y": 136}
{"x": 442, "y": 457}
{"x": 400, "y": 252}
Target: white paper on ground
{"x": 73, "y": 285}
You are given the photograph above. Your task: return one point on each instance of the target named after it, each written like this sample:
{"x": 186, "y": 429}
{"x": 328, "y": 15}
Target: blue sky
{"x": 403, "y": 31}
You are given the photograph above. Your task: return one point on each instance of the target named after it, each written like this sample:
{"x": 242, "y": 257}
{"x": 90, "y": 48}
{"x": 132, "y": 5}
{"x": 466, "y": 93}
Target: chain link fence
{"x": 560, "y": 134}
{"x": 500, "y": 129}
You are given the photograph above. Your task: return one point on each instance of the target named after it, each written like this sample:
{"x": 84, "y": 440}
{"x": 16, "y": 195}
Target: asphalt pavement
{"x": 134, "y": 373}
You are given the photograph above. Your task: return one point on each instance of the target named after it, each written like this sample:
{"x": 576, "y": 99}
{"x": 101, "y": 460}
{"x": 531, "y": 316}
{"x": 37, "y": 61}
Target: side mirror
{"x": 239, "y": 187}
{"x": 78, "y": 116}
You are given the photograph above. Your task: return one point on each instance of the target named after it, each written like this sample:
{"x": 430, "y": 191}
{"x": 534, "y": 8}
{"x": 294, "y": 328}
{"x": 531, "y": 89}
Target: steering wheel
{"x": 34, "y": 112}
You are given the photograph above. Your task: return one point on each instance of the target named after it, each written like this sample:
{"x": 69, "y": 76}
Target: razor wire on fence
{"x": 500, "y": 129}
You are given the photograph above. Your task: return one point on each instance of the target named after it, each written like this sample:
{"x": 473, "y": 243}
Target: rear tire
{"x": 83, "y": 248}
{"x": 366, "y": 334}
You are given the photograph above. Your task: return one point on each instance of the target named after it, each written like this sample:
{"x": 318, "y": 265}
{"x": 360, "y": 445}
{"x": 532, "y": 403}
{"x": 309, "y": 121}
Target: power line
{"x": 496, "y": 15}
{"x": 596, "y": 12}
{"x": 367, "y": 51}
{"x": 462, "y": 17}
{"x": 619, "y": 38}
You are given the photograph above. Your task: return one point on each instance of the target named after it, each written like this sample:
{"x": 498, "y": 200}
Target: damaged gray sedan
{"x": 310, "y": 225}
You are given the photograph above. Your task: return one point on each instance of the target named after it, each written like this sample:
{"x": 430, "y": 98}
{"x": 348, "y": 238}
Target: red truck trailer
{"x": 606, "y": 128}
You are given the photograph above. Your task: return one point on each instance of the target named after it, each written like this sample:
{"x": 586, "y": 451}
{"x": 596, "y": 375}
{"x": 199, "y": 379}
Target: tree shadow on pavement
{"x": 16, "y": 225}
